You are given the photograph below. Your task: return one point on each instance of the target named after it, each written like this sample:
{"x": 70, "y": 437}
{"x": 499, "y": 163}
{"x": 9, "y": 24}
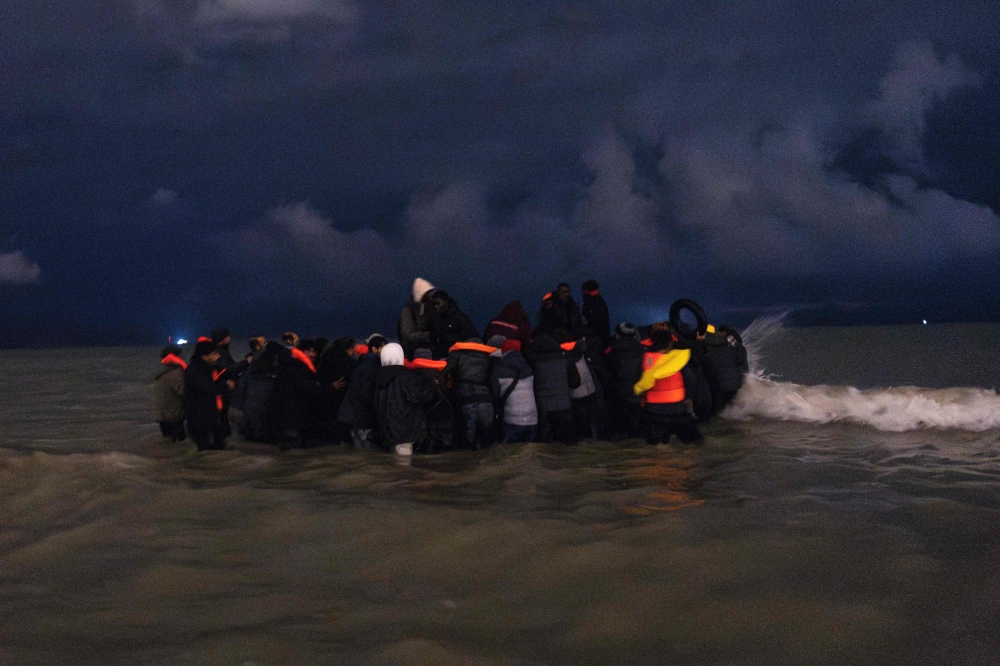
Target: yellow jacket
{"x": 670, "y": 363}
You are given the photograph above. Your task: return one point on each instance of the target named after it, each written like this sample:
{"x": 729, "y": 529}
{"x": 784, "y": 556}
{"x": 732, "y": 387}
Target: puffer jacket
{"x": 587, "y": 386}
{"x": 470, "y": 372}
{"x": 520, "y": 408}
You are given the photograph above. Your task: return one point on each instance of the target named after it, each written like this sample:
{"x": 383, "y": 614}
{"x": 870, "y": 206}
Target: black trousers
{"x": 660, "y": 428}
{"x": 212, "y": 440}
{"x": 174, "y": 430}
{"x": 556, "y": 426}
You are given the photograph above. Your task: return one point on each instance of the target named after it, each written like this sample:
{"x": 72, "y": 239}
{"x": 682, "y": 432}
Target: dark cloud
{"x": 316, "y": 155}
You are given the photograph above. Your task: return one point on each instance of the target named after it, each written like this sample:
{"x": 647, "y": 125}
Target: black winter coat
{"x": 554, "y": 374}
{"x": 625, "y": 368}
{"x": 297, "y": 395}
{"x": 200, "y": 391}
{"x": 564, "y": 315}
{"x": 449, "y": 327}
{"x": 695, "y": 385}
{"x": 725, "y": 363}
{"x": 595, "y": 311}
{"x": 401, "y": 396}
{"x": 470, "y": 373}
{"x": 358, "y": 408}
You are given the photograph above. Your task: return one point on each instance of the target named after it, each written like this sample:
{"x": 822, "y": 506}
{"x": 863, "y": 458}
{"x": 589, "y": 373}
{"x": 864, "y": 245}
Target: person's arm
{"x": 572, "y": 374}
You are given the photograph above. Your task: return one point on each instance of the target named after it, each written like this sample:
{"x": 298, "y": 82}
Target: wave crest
{"x": 892, "y": 409}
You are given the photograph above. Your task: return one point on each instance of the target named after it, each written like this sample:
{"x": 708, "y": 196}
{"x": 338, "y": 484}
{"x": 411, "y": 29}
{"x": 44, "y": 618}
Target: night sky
{"x": 171, "y": 165}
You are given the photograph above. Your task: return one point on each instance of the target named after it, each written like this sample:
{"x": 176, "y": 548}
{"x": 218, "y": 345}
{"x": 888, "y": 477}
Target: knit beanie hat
{"x": 510, "y": 345}
{"x": 204, "y": 348}
{"x": 625, "y": 329}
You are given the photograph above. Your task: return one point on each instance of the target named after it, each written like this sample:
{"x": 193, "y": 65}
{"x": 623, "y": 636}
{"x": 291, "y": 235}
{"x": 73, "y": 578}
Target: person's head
{"x": 220, "y": 335}
{"x": 440, "y": 300}
{"x": 207, "y": 352}
{"x": 170, "y": 350}
{"x": 563, "y": 291}
{"x": 662, "y": 339}
{"x": 625, "y": 329}
{"x": 289, "y": 338}
{"x": 497, "y": 341}
{"x": 376, "y": 343}
{"x": 422, "y": 291}
{"x": 661, "y": 326}
{"x": 343, "y": 346}
{"x": 307, "y": 346}
{"x": 391, "y": 354}
{"x": 590, "y": 288}
{"x": 548, "y": 301}
{"x": 257, "y": 342}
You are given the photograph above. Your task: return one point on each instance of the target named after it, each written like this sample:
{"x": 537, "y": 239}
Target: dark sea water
{"x": 838, "y": 516}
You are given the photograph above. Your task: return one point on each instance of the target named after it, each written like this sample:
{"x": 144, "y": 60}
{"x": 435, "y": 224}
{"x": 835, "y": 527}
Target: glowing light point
{"x": 925, "y": 321}
{"x": 182, "y": 341}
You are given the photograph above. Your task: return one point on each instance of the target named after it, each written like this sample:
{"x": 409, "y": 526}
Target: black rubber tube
{"x": 682, "y": 329}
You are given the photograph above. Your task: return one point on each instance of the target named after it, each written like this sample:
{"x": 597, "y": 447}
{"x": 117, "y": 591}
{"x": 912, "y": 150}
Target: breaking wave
{"x": 893, "y": 409}
{"x": 897, "y": 409}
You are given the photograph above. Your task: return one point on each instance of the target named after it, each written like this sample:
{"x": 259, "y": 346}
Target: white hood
{"x": 392, "y": 354}
{"x": 421, "y": 287}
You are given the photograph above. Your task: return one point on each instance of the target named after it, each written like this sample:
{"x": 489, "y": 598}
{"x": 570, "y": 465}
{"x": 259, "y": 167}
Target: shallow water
{"x": 778, "y": 542}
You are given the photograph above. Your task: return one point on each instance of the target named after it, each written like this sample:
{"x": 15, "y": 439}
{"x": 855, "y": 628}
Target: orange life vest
{"x": 568, "y": 346}
{"x": 472, "y": 346}
{"x": 218, "y": 399}
{"x": 175, "y": 359}
{"x": 668, "y": 390}
{"x": 300, "y": 355}
{"x": 418, "y": 363}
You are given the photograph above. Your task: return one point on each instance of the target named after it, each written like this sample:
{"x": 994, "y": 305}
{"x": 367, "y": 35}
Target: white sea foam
{"x": 897, "y": 409}
{"x": 893, "y": 409}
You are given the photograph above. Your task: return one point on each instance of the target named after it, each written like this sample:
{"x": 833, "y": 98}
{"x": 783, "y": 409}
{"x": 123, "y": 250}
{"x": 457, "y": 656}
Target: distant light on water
{"x": 925, "y": 321}
{"x": 182, "y": 341}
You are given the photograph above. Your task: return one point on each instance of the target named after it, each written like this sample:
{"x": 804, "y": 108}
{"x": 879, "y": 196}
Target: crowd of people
{"x": 444, "y": 386}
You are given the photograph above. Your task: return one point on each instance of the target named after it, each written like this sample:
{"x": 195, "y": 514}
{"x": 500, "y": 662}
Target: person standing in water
{"x": 204, "y": 386}
{"x": 168, "y": 392}
{"x": 666, "y": 407}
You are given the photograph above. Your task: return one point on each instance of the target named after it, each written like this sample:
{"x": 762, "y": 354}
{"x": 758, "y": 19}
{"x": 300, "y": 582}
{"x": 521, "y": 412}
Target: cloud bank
{"x": 16, "y": 269}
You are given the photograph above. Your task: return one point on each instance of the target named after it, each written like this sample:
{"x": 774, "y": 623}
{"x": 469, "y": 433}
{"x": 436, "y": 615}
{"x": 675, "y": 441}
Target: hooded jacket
{"x": 168, "y": 393}
{"x": 554, "y": 374}
{"x": 414, "y": 325}
{"x": 448, "y": 327}
{"x": 512, "y": 323}
{"x": 520, "y": 408}
{"x": 400, "y": 398}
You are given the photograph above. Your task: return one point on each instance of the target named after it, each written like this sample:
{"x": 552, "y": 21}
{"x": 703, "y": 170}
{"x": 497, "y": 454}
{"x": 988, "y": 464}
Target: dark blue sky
{"x": 269, "y": 164}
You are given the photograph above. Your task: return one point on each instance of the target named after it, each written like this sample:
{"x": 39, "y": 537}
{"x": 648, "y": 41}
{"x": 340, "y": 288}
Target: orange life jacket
{"x": 471, "y": 346}
{"x": 300, "y": 355}
{"x": 361, "y": 349}
{"x": 668, "y": 390}
{"x": 175, "y": 359}
{"x": 419, "y": 363}
{"x": 218, "y": 399}
{"x": 568, "y": 346}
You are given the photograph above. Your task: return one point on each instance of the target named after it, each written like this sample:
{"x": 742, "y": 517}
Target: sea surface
{"x": 847, "y": 511}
